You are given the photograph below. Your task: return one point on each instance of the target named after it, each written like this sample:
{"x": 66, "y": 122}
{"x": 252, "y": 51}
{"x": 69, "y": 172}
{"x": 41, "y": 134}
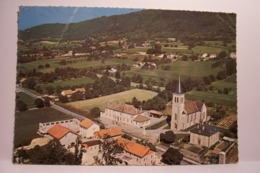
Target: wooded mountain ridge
{"x": 146, "y": 24}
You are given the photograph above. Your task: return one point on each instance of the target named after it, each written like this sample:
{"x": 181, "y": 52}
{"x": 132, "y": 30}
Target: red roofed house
{"x": 110, "y": 133}
{"x": 186, "y": 113}
{"x": 88, "y": 128}
{"x": 121, "y": 113}
{"x": 136, "y": 154}
{"x": 92, "y": 150}
{"x": 64, "y": 135}
{"x": 81, "y": 90}
{"x": 67, "y": 93}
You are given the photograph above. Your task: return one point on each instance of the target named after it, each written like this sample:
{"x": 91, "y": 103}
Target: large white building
{"x": 186, "y": 113}
{"x": 121, "y": 113}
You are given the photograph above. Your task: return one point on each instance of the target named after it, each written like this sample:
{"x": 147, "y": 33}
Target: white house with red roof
{"x": 136, "y": 154}
{"x": 64, "y": 135}
{"x": 113, "y": 133}
{"x": 87, "y": 128}
{"x": 121, "y": 113}
{"x": 186, "y": 113}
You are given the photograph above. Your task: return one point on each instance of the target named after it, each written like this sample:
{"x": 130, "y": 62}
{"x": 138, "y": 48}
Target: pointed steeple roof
{"x": 179, "y": 86}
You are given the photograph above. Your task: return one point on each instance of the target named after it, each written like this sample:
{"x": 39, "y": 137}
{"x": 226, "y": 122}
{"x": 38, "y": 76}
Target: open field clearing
{"x": 54, "y": 63}
{"x": 68, "y": 82}
{"x": 26, "y": 99}
{"x": 206, "y": 49}
{"x": 210, "y": 96}
{"x": 27, "y": 123}
{"x": 179, "y": 68}
{"x": 125, "y": 96}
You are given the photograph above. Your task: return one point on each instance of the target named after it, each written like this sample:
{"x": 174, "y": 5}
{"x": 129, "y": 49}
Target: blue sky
{"x": 33, "y": 16}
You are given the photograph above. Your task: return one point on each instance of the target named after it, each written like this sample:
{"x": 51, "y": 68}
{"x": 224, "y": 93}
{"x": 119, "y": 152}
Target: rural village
{"x": 127, "y": 97}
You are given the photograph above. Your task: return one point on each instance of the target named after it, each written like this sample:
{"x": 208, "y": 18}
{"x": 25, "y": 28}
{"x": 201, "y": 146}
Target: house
{"x": 138, "y": 64}
{"x": 171, "y": 39}
{"x": 121, "y": 113}
{"x": 212, "y": 56}
{"x": 64, "y": 135}
{"x": 67, "y": 93}
{"x": 154, "y": 113}
{"x": 204, "y": 56}
{"x": 87, "y": 128}
{"x": 233, "y": 55}
{"x": 91, "y": 150}
{"x": 141, "y": 121}
{"x": 108, "y": 133}
{"x": 112, "y": 70}
{"x": 204, "y": 134}
{"x": 81, "y": 90}
{"x": 186, "y": 113}
{"x": 135, "y": 154}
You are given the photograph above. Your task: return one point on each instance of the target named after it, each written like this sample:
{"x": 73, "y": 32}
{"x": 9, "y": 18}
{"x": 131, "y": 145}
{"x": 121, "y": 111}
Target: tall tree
{"x": 172, "y": 157}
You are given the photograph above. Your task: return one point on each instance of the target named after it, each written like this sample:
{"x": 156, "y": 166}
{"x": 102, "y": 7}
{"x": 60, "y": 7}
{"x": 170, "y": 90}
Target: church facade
{"x": 186, "y": 113}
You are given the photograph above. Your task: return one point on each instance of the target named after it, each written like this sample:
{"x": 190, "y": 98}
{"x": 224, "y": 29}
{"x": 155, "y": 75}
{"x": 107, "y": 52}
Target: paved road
{"x": 29, "y": 93}
{"x": 54, "y": 106}
{"x": 61, "y": 109}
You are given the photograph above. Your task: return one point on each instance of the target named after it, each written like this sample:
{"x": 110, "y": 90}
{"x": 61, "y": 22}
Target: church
{"x": 186, "y": 113}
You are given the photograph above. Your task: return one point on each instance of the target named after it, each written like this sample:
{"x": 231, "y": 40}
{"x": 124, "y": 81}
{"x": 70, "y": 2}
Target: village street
{"x": 53, "y": 105}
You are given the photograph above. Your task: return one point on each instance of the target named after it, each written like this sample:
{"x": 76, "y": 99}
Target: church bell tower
{"x": 178, "y": 100}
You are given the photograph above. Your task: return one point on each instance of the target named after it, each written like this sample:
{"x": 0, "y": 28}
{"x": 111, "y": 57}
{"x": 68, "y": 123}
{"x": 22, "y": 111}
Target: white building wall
{"x": 147, "y": 160}
{"x": 72, "y": 124}
{"x": 89, "y": 132}
{"x": 68, "y": 139}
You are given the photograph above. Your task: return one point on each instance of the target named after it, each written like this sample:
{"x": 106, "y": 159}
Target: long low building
{"x": 121, "y": 113}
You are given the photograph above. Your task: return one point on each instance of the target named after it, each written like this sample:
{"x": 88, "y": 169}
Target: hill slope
{"x": 142, "y": 24}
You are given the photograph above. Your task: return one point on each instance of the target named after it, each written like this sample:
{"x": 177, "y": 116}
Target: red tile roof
{"x": 91, "y": 143}
{"x": 80, "y": 89}
{"x": 86, "y": 123}
{"x": 111, "y": 132}
{"x": 134, "y": 148}
{"x": 122, "y": 107}
{"x": 58, "y": 131}
{"x": 67, "y": 92}
{"x": 193, "y": 106}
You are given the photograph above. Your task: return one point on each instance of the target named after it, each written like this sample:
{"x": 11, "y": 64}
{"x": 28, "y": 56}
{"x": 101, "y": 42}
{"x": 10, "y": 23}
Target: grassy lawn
{"x": 207, "y": 49}
{"x": 26, "y": 99}
{"x": 210, "y": 96}
{"x": 179, "y": 68}
{"x": 27, "y": 123}
{"x": 54, "y": 63}
{"x": 68, "y": 82}
{"x": 125, "y": 96}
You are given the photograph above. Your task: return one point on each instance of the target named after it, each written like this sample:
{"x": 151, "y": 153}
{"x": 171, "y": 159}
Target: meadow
{"x": 27, "y": 123}
{"x": 184, "y": 69}
{"x": 214, "y": 97}
{"x": 101, "y": 102}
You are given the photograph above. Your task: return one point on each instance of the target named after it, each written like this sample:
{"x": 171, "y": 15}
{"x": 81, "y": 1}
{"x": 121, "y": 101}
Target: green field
{"x": 214, "y": 96}
{"x": 54, "y": 63}
{"x": 27, "y": 123}
{"x": 125, "y": 96}
{"x": 26, "y": 99}
{"x": 207, "y": 49}
{"x": 179, "y": 68}
{"x": 68, "y": 83}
